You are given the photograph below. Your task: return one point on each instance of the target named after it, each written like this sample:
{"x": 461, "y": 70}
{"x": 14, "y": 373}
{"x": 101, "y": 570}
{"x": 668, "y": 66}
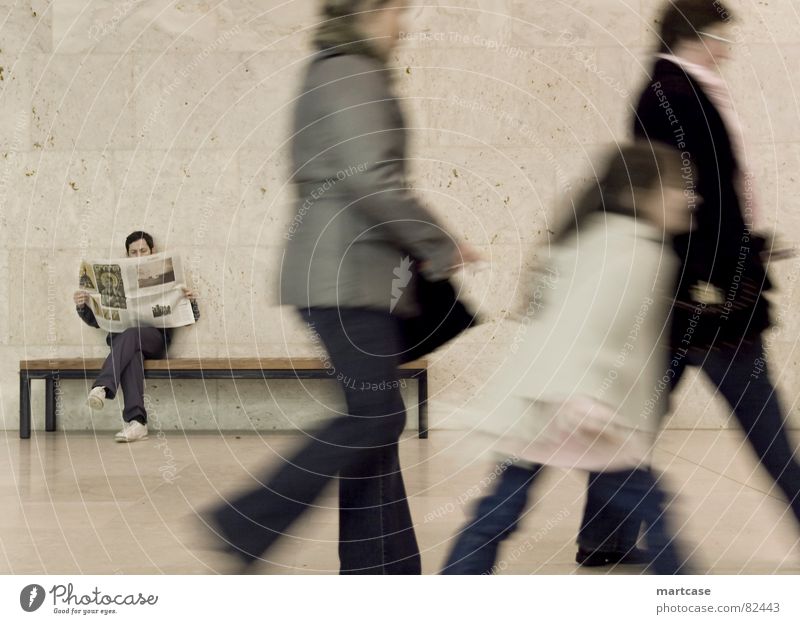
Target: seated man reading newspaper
{"x": 137, "y": 300}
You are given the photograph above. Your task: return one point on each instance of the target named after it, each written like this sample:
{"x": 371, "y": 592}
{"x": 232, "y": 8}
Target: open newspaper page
{"x": 137, "y": 292}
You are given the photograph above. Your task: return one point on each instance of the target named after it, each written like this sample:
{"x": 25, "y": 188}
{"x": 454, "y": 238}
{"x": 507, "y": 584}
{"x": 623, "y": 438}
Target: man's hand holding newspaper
{"x": 136, "y": 292}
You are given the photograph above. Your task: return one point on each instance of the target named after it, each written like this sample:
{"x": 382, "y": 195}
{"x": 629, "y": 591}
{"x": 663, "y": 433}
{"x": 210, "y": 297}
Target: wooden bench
{"x": 56, "y": 370}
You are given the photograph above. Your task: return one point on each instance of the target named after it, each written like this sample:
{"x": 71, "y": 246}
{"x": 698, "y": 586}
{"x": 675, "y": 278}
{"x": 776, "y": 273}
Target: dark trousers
{"x": 376, "y": 534}
{"x": 741, "y": 377}
{"x": 631, "y": 493}
{"x": 124, "y": 367}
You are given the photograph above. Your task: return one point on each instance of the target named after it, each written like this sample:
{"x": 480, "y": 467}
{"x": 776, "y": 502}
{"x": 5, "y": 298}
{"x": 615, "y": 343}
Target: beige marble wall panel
{"x": 265, "y": 208}
{"x": 478, "y": 99}
{"x": 163, "y": 25}
{"x": 490, "y": 195}
{"x": 269, "y": 24}
{"x": 5, "y": 304}
{"x": 182, "y": 99}
{"x": 619, "y": 74}
{"x": 544, "y": 98}
{"x": 764, "y": 86}
{"x": 26, "y": 26}
{"x": 568, "y": 93}
{"x": 15, "y": 106}
{"x": 42, "y": 282}
{"x": 238, "y": 101}
{"x": 441, "y": 22}
{"x": 599, "y": 22}
{"x": 59, "y": 199}
{"x": 122, "y": 26}
{"x": 239, "y": 286}
{"x": 82, "y": 102}
{"x": 12, "y": 167}
{"x": 182, "y": 197}
{"x": 277, "y": 404}
{"x": 410, "y": 87}
{"x": 260, "y": 118}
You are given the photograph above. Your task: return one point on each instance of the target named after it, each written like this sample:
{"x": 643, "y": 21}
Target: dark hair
{"x": 640, "y": 165}
{"x": 338, "y": 29}
{"x": 137, "y": 236}
{"x": 683, "y": 19}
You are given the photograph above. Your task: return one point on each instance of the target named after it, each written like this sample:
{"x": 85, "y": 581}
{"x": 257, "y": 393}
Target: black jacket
{"x": 721, "y": 250}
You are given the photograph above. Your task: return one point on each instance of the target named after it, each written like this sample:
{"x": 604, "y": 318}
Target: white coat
{"x": 584, "y": 387}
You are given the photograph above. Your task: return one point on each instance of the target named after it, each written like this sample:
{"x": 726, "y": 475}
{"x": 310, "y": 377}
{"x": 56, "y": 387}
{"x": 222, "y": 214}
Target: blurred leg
{"x": 496, "y": 517}
{"x": 376, "y": 533}
{"x": 603, "y": 530}
{"x": 636, "y": 494}
{"x": 362, "y": 345}
{"x": 743, "y": 379}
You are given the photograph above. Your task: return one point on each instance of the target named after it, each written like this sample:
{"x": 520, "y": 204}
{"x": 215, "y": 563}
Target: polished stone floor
{"x": 78, "y": 503}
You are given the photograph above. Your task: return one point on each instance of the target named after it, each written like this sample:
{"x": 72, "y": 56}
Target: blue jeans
{"x": 742, "y": 378}
{"x": 376, "y": 534}
{"x": 631, "y": 493}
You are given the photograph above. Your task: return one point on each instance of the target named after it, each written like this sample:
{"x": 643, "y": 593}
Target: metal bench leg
{"x": 422, "y": 382}
{"x": 50, "y": 384}
{"x": 24, "y": 406}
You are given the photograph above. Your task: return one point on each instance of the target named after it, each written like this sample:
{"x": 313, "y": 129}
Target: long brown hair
{"x": 640, "y": 165}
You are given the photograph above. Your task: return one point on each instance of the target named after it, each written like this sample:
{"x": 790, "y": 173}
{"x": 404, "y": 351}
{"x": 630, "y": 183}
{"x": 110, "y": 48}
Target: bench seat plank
{"x": 209, "y": 364}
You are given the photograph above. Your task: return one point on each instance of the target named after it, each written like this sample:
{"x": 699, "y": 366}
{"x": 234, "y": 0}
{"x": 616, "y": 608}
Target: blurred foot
{"x": 238, "y": 562}
{"x": 132, "y": 432}
{"x": 596, "y": 558}
{"x": 97, "y": 398}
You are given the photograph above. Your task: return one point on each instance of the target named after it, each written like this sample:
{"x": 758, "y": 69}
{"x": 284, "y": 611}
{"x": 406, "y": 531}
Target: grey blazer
{"x": 359, "y": 237}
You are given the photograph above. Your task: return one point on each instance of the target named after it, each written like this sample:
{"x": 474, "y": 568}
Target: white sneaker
{"x": 132, "y": 432}
{"x": 97, "y": 398}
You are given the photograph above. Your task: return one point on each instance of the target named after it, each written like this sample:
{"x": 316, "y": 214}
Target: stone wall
{"x": 173, "y": 117}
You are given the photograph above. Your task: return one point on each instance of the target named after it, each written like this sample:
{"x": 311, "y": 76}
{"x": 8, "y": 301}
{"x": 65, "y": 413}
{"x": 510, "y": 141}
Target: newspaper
{"x": 137, "y": 292}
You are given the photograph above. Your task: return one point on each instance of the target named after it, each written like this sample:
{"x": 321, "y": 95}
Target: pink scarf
{"x": 717, "y": 91}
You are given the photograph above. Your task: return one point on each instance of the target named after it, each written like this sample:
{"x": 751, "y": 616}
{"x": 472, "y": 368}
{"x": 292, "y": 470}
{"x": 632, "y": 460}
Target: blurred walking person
{"x": 359, "y": 245}
{"x": 578, "y": 391}
{"x": 720, "y": 311}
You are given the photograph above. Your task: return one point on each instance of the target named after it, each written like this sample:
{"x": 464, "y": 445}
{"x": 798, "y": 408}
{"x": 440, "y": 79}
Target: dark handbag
{"x": 442, "y": 318}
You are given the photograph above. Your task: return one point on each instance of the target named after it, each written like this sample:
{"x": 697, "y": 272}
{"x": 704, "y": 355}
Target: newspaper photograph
{"x": 137, "y": 292}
